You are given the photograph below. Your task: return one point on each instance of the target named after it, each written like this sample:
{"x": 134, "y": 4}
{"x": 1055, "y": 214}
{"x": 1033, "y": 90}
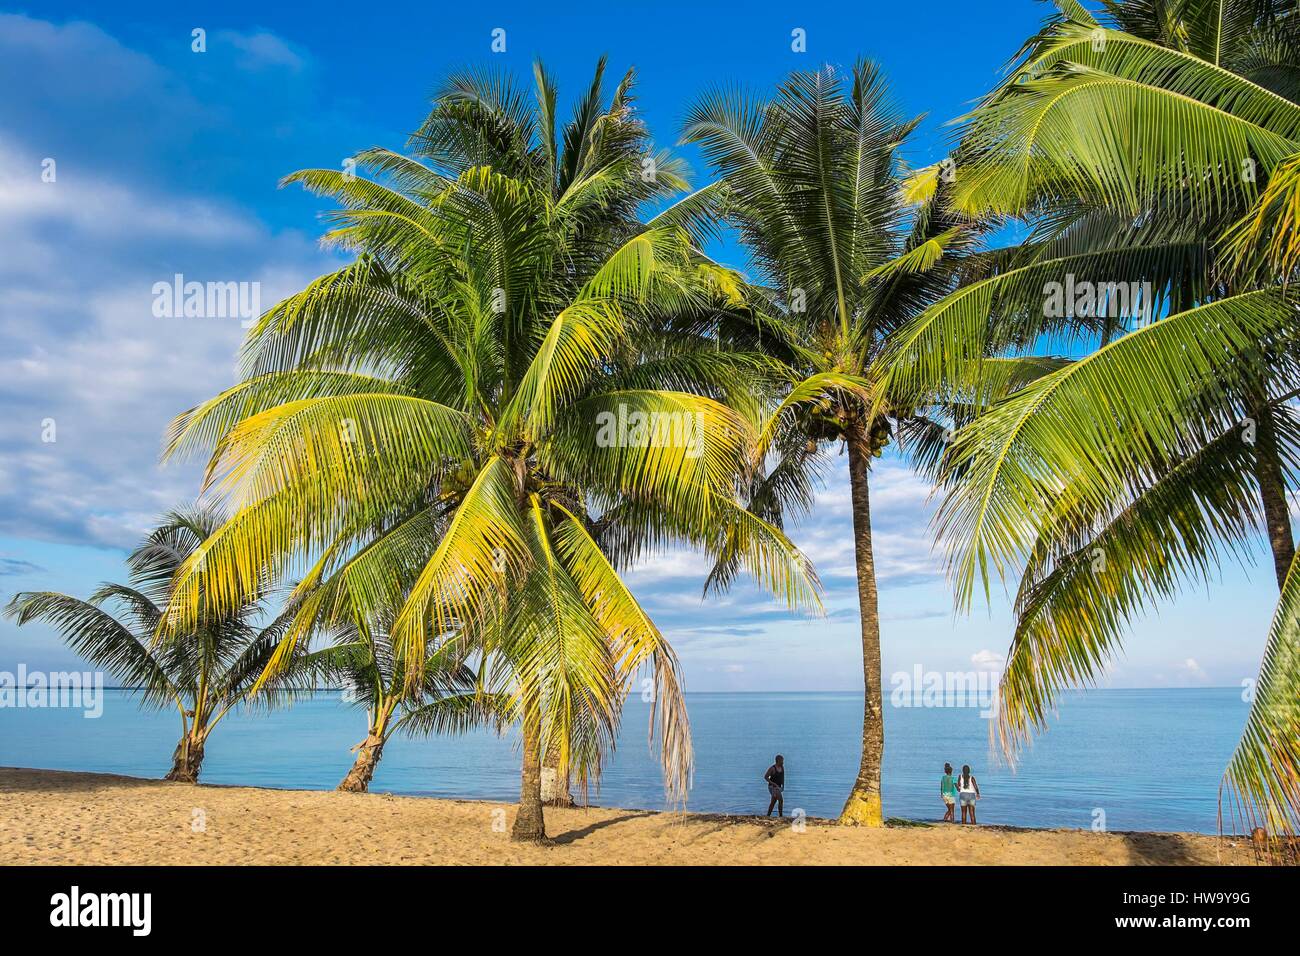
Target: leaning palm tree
{"x": 845, "y": 253}
{"x": 449, "y": 697}
{"x": 484, "y": 404}
{"x": 204, "y": 672}
{"x": 1152, "y": 145}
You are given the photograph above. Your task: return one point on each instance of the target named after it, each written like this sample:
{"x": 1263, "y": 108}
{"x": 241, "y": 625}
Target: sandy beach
{"x": 56, "y": 817}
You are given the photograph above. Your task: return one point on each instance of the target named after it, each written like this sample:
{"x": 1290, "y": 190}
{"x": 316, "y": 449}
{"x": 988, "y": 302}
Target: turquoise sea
{"x": 1146, "y": 759}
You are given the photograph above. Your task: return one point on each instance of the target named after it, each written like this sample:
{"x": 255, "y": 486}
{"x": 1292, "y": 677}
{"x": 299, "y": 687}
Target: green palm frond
{"x": 1262, "y": 782}
{"x": 456, "y": 714}
{"x": 1269, "y": 233}
{"x": 565, "y": 360}
{"x": 1098, "y": 425}
{"x": 97, "y": 636}
{"x": 1155, "y": 141}
{"x": 484, "y": 537}
{"x": 1088, "y": 581}
{"x": 563, "y": 658}
{"x": 941, "y": 351}
{"x": 672, "y": 447}
{"x": 379, "y": 441}
{"x": 203, "y": 426}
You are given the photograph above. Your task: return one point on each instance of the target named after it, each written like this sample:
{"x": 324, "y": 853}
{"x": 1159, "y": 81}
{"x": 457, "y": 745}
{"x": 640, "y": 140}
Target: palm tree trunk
{"x": 555, "y": 786}
{"x": 187, "y": 759}
{"x": 363, "y": 768}
{"x": 369, "y": 750}
{"x": 863, "y": 807}
{"x": 1272, "y": 493}
{"x": 530, "y": 824}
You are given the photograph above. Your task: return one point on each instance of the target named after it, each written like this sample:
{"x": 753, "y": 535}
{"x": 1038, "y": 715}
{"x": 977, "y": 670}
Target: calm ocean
{"x": 1148, "y": 759}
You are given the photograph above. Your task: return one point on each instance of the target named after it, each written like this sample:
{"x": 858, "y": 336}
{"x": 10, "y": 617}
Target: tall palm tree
{"x": 847, "y": 249}
{"x": 1152, "y": 143}
{"x": 204, "y": 672}
{"x": 449, "y": 698}
{"x": 485, "y": 403}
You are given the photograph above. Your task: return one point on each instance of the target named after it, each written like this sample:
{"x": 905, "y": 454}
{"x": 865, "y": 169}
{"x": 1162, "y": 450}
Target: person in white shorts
{"x": 968, "y": 791}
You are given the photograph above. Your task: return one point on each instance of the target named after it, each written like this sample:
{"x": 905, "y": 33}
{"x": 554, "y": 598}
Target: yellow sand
{"x": 55, "y": 817}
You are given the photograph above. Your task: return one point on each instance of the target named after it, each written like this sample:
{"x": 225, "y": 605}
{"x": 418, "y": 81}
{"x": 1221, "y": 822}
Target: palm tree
{"x": 449, "y": 698}
{"x": 485, "y": 404}
{"x": 204, "y": 672}
{"x": 846, "y": 254}
{"x": 1151, "y": 144}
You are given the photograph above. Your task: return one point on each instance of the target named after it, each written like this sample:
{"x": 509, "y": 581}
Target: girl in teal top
{"x": 948, "y": 790}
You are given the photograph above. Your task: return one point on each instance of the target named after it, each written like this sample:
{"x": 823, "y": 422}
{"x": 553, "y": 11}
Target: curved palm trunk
{"x": 363, "y": 768}
{"x": 187, "y": 759}
{"x": 1272, "y": 493}
{"x": 369, "y": 750}
{"x": 530, "y": 825}
{"x": 863, "y": 807}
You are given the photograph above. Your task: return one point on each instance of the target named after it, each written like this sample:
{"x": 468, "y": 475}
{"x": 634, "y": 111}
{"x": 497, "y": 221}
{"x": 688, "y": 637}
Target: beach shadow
{"x": 1158, "y": 849}
{"x": 573, "y": 836}
{"x": 19, "y": 779}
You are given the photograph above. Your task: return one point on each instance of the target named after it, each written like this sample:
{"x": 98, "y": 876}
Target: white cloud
{"x": 893, "y": 488}
{"x": 900, "y": 532}
{"x": 262, "y": 50}
{"x": 671, "y": 565}
{"x": 93, "y": 206}
{"x": 85, "y": 351}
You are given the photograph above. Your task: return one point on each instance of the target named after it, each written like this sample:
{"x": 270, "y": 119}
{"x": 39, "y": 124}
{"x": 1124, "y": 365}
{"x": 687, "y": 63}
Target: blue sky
{"x": 167, "y": 161}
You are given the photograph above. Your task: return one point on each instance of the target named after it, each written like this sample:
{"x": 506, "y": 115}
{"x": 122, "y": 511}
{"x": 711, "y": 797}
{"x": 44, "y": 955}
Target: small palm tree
{"x": 485, "y": 403}
{"x": 449, "y": 698}
{"x": 204, "y": 672}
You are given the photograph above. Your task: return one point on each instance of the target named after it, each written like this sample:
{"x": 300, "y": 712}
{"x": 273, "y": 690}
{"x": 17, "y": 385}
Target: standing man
{"x": 775, "y": 778}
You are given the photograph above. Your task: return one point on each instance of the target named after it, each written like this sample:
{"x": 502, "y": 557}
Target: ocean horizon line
{"x": 737, "y": 693}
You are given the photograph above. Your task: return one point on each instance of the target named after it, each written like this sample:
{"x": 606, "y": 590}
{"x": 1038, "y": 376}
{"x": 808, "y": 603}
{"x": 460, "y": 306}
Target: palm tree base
{"x": 363, "y": 770}
{"x": 530, "y": 824}
{"x": 862, "y": 810}
{"x": 186, "y": 762}
{"x": 542, "y": 840}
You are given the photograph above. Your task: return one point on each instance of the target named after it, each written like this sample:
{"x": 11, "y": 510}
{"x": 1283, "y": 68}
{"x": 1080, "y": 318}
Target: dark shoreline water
{"x": 1125, "y": 759}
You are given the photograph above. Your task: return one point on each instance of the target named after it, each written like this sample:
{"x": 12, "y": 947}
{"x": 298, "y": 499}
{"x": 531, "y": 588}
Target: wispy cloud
{"x": 89, "y": 377}
{"x": 263, "y": 51}
{"x": 16, "y": 567}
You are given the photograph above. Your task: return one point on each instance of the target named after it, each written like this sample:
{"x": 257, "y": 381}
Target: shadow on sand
{"x": 19, "y": 779}
{"x": 1157, "y": 849}
{"x": 573, "y": 836}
